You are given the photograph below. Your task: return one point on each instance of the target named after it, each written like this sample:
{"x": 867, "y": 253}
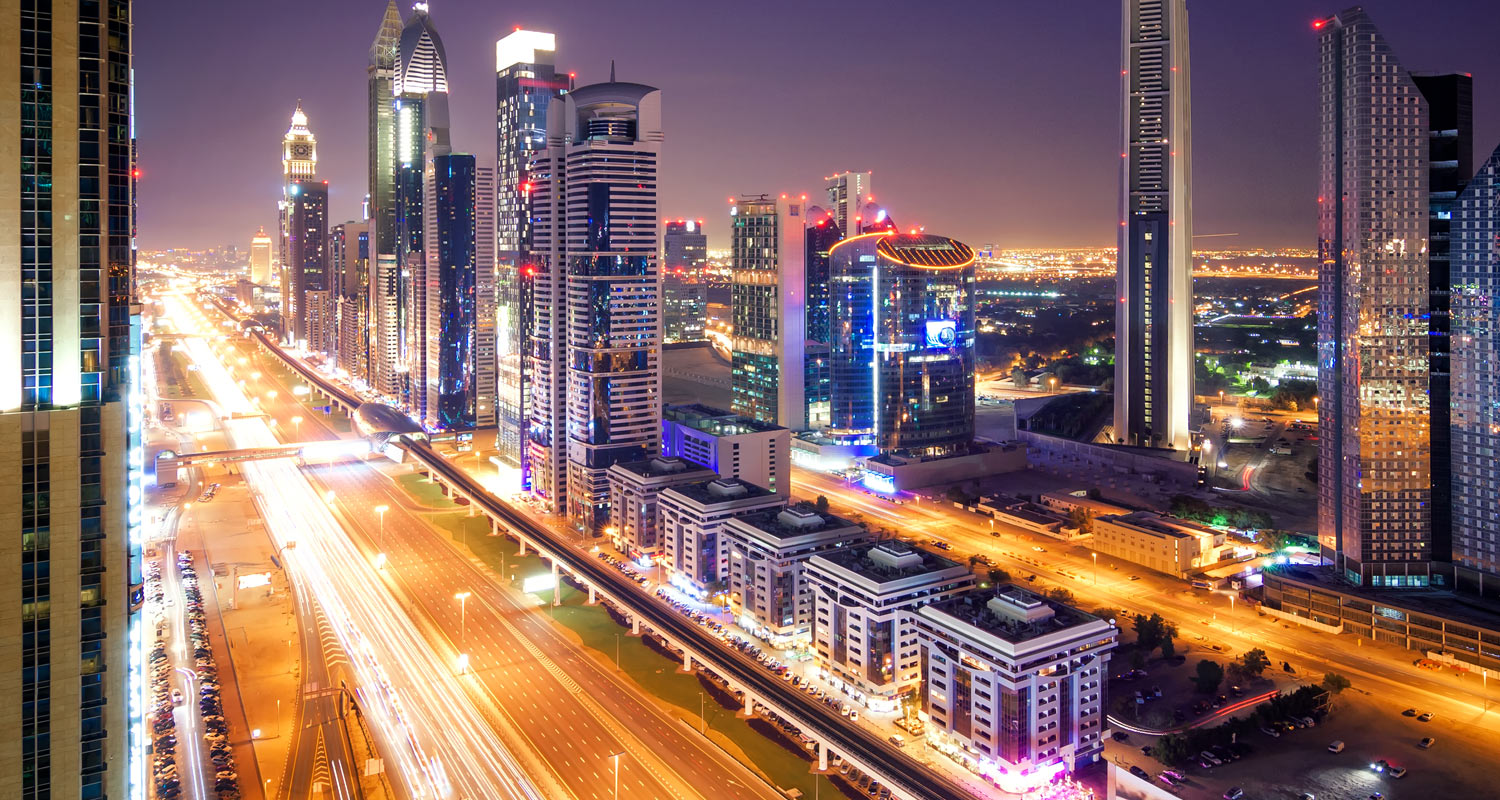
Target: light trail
{"x": 426, "y": 720}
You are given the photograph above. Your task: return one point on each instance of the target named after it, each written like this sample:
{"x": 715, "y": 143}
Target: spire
{"x": 388, "y": 39}
{"x": 299, "y": 119}
{"x": 611, "y": 70}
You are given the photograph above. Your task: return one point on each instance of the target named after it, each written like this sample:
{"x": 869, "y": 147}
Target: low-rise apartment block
{"x": 768, "y": 552}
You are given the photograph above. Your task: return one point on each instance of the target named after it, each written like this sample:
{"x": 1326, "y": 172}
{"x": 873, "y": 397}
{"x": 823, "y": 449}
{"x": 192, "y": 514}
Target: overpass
{"x": 906, "y": 777}
{"x": 168, "y": 462}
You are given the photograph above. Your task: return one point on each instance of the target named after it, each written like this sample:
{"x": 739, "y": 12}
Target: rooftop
{"x": 800, "y": 519}
{"x": 1012, "y": 613}
{"x": 663, "y": 466}
{"x": 1165, "y": 526}
{"x": 1441, "y": 603}
{"x": 889, "y": 561}
{"x": 714, "y": 421}
{"x": 722, "y": 490}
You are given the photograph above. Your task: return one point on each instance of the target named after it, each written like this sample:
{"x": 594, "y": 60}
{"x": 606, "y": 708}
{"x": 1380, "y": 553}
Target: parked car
{"x": 1397, "y": 772}
{"x": 1140, "y": 773}
{"x": 1427, "y": 717}
{"x": 1427, "y": 742}
{"x": 1234, "y": 793}
{"x": 1410, "y": 712}
{"x": 1336, "y": 746}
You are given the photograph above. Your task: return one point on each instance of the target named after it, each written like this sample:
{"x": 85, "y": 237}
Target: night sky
{"x": 992, "y": 121}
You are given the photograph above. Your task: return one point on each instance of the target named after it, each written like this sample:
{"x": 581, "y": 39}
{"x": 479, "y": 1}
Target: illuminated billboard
{"x": 941, "y": 332}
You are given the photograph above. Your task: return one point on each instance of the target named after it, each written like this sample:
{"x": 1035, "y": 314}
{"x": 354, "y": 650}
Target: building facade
{"x": 260, "y": 258}
{"x": 299, "y": 164}
{"x": 1475, "y": 261}
{"x": 1014, "y": 683}
{"x": 449, "y": 287}
{"x": 305, "y": 272}
{"x": 634, "y": 487}
{"x": 1174, "y": 546}
{"x": 526, "y": 83}
{"x": 73, "y": 695}
{"x": 902, "y": 365}
{"x": 767, "y": 299}
{"x": 1374, "y": 426}
{"x": 729, "y": 444}
{"x": 1154, "y": 317}
{"x": 383, "y": 296}
{"x": 597, "y": 327}
{"x": 767, "y": 554}
{"x": 848, "y": 194}
{"x": 692, "y": 516}
{"x": 821, "y": 233}
{"x": 863, "y": 599}
{"x": 486, "y": 359}
{"x": 684, "y": 287}
{"x": 349, "y": 261}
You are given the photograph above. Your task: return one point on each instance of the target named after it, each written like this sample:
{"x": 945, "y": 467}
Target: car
{"x": 897, "y": 740}
{"x": 1167, "y": 779}
{"x": 1135, "y": 577}
{"x": 1146, "y": 750}
{"x": 1427, "y": 717}
{"x": 1336, "y": 746}
{"x": 1306, "y": 796}
{"x": 1121, "y": 736}
{"x": 1039, "y": 548}
{"x": 1396, "y": 772}
{"x": 854, "y": 714}
{"x": 1410, "y": 712}
{"x": 1211, "y": 758}
{"x": 1234, "y": 793}
{"x": 176, "y": 697}
{"x": 1270, "y": 731}
{"x": 1427, "y": 743}
{"x": 1139, "y": 773}
{"x": 1380, "y": 766}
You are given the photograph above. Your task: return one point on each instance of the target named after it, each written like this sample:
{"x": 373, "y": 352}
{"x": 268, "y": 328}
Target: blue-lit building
{"x": 450, "y": 279}
{"x": 902, "y": 355}
{"x": 821, "y": 234}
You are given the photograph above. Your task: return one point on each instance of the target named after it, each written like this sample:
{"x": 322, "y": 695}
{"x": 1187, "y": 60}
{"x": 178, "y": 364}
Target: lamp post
{"x": 615, "y": 757}
{"x": 380, "y": 512}
{"x": 463, "y": 628}
{"x": 297, "y": 426}
{"x": 1096, "y": 568}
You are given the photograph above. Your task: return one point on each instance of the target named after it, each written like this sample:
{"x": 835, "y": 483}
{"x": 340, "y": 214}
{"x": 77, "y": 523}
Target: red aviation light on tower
{"x": 1318, "y": 24}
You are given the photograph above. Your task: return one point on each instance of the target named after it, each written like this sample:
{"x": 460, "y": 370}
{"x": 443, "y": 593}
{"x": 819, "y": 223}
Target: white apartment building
{"x": 1014, "y": 684}
{"x": 732, "y": 445}
{"x": 633, "y": 491}
{"x": 768, "y": 551}
{"x": 863, "y": 598}
{"x": 1165, "y": 544}
{"x": 692, "y": 516}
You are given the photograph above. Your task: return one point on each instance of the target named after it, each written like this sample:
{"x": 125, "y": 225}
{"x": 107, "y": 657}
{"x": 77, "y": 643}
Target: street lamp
{"x": 463, "y": 629}
{"x": 297, "y": 426}
{"x": 380, "y": 512}
{"x": 615, "y": 757}
{"x": 1096, "y": 568}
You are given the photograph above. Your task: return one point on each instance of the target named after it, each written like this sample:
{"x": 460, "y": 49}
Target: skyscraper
{"x": 1154, "y": 355}
{"x": 449, "y": 276}
{"x": 767, "y": 299}
{"x": 820, "y": 234}
{"x": 684, "y": 254}
{"x": 903, "y": 343}
{"x": 1475, "y": 259}
{"x": 1450, "y": 162}
{"x": 1374, "y": 470}
{"x": 383, "y": 298}
{"x": 848, "y": 192}
{"x": 299, "y": 162}
{"x": 349, "y": 267}
{"x": 260, "y": 258}
{"x": 597, "y": 330}
{"x": 526, "y": 83}
{"x": 72, "y": 700}
{"x": 306, "y": 271}
{"x": 485, "y": 360}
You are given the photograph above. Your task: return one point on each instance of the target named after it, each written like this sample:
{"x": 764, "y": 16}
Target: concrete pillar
{"x": 687, "y": 660}
{"x": 521, "y": 550}
{"x": 635, "y": 626}
{"x": 556, "y": 583}
{"x": 822, "y": 756}
{"x": 593, "y": 596}
{"x": 473, "y": 507}
{"x": 749, "y": 706}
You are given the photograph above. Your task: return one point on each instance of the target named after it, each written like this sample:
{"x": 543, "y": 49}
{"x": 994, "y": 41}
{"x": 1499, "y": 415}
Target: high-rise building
{"x": 349, "y": 263}
{"x": 260, "y": 258}
{"x": 1450, "y": 162}
{"x": 305, "y": 273}
{"x": 597, "y": 329}
{"x": 485, "y": 361}
{"x": 820, "y": 235}
{"x": 448, "y": 280}
{"x": 1474, "y": 250}
{"x": 526, "y": 82}
{"x": 767, "y": 297}
{"x": 902, "y": 314}
{"x": 848, "y": 193}
{"x": 299, "y": 163}
{"x": 1154, "y": 355}
{"x": 72, "y": 701}
{"x": 420, "y": 86}
{"x": 1375, "y": 474}
{"x": 384, "y": 292}
{"x": 684, "y": 288}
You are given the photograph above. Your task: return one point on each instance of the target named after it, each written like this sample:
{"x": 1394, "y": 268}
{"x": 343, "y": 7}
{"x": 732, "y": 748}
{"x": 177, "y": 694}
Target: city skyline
{"x": 1255, "y": 134}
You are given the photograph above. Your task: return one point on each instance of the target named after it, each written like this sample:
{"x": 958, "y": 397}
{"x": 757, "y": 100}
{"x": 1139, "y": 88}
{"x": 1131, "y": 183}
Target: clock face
{"x": 301, "y": 151}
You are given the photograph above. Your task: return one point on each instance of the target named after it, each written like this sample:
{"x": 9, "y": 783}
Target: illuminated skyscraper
{"x": 305, "y": 272}
{"x": 821, "y": 233}
{"x": 349, "y": 265}
{"x": 526, "y": 83}
{"x": 1154, "y": 318}
{"x": 260, "y": 258}
{"x": 768, "y": 293}
{"x": 902, "y": 316}
{"x": 485, "y": 361}
{"x": 848, "y": 192}
{"x": 383, "y": 296}
{"x": 684, "y": 254}
{"x": 1374, "y": 473}
{"x": 597, "y": 331}
{"x": 72, "y": 700}
{"x": 299, "y": 162}
{"x": 1475, "y": 260}
{"x": 449, "y": 278}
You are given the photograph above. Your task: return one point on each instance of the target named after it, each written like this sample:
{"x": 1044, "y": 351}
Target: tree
{"x": 1060, "y": 595}
{"x": 1168, "y": 647}
{"x": 1335, "y": 683}
{"x": 1105, "y": 612}
{"x": 822, "y": 504}
{"x": 1137, "y": 659}
{"x": 1151, "y": 631}
{"x": 999, "y": 576}
{"x": 1253, "y": 663}
{"x": 1208, "y": 676}
{"x": 1080, "y": 519}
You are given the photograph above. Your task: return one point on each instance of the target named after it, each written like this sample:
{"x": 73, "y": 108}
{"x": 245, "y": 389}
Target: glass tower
{"x": 450, "y": 274}
{"x": 767, "y": 297}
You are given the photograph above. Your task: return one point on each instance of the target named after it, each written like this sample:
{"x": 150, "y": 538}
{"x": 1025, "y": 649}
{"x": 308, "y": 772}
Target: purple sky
{"x": 992, "y": 121}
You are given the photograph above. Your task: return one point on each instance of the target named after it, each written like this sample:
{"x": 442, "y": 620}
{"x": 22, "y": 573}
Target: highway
{"x": 435, "y": 740}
